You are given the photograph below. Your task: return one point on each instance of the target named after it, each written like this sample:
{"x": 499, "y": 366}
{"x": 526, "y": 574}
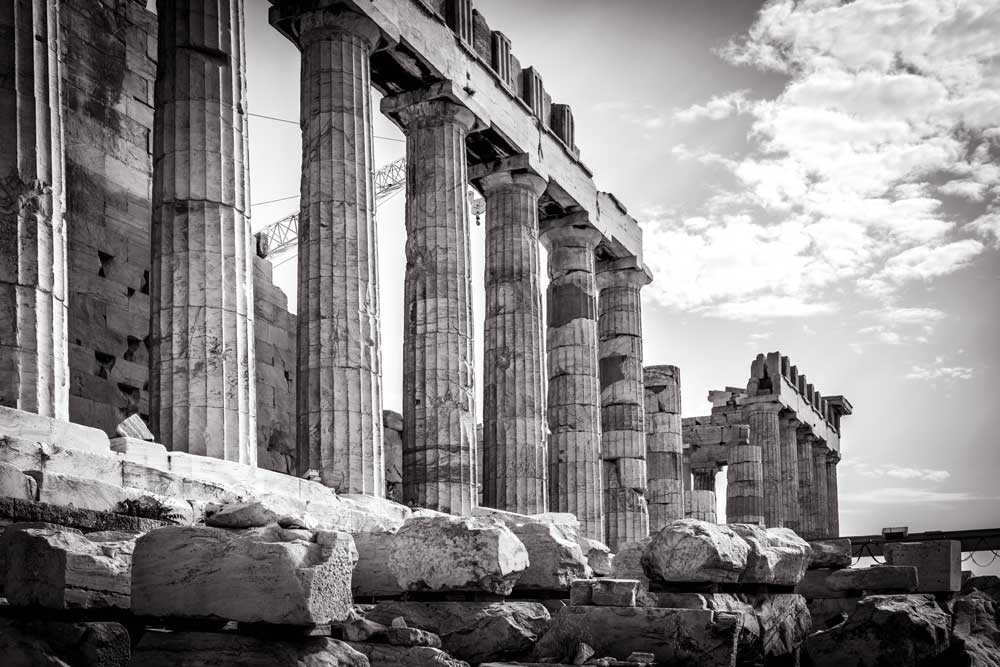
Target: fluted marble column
{"x": 664, "y": 446}
{"x": 745, "y": 494}
{"x": 574, "y": 397}
{"x": 701, "y": 503}
{"x": 807, "y": 505}
{"x": 202, "y": 379}
{"x": 623, "y": 422}
{"x": 339, "y": 386}
{"x": 34, "y": 373}
{"x": 439, "y": 415}
{"x": 765, "y": 429}
{"x": 833, "y": 500}
{"x": 790, "y": 473}
{"x": 820, "y": 497}
{"x": 515, "y": 431}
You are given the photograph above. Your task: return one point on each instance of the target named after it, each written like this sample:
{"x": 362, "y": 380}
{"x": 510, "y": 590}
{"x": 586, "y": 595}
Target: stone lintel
{"x": 284, "y": 17}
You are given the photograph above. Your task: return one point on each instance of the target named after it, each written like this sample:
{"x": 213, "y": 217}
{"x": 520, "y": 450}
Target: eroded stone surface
{"x": 709, "y": 637}
{"x": 876, "y": 578}
{"x": 833, "y": 554}
{"x": 473, "y": 631}
{"x": 198, "y": 649}
{"x": 240, "y": 515}
{"x": 264, "y": 575}
{"x": 61, "y": 569}
{"x": 696, "y": 551}
{"x": 938, "y": 563}
{"x": 890, "y": 630}
{"x": 456, "y": 553}
{"x": 554, "y": 559}
{"x": 54, "y": 644}
{"x": 777, "y": 555}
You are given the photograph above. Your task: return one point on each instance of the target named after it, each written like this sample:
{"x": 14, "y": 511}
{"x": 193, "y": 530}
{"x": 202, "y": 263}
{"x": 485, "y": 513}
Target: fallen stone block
{"x": 133, "y": 427}
{"x": 938, "y": 563}
{"x": 34, "y": 427}
{"x": 403, "y": 636}
{"x": 834, "y": 554}
{"x": 262, "y": 575}
{"x": 598, "y": 556}
{"x": 372, "y": 576}
{"x": 709, "y": 637}
{"x": 777, "y": 555}
{"x": 15, "y": 484}
{"x": 384, "y": 655}
{"x": 581, "y": 592}
{"x": 885, "y": 630}
{"x": 361, "y": 630}
{"x": 456, "y": 554}
{"x": 614, "y": 592}
{"x": 219, "y": 649}
{"x": 240, "y": 515}
{"x": 975, "y": 635}
{"x": 61, "y": 569}
{"x": 554, "y": 560}
{"x": 689, "y": 550}
{"x": 895, "y": 578}
{"x": 52, "y": 643}
{"x": 813, "y": 585}
{"x": 472, "y": 631}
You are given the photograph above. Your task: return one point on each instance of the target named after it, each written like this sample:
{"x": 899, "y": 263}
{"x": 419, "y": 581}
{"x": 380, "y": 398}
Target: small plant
{"x": 147, "y": 507}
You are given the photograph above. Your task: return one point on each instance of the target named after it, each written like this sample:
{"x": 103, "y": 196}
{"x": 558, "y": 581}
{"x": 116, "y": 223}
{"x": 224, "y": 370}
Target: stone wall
{"x": 274, "y": 329}
{"x": 109, "y": 69}
{"x": 109, "y": 73}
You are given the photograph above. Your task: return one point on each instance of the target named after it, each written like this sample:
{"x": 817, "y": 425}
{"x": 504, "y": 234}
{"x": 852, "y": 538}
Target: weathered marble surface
{"x": 515, "y": 428}
{"x": 456, "y": 554}
{"x": 664, "y": 446}
{"x": 623, "y": 414}
{"x": 34, "y": 369}
{"x": 710, "y": 637}
{"x": 574, "y": 397}
{"x": 338, "y": 390}
{"x": 439, "y": 416}
{"x": 555, "y": 559}
{"x": 61, "y": 569}
{"x": 197, "y": 649}
{"x": 56, "y": 644}
{"x": 201, "y": 343}
{"x": 690, "y": 550}
{"x": 473, "y": 631}
{"x": 264, "y": 575}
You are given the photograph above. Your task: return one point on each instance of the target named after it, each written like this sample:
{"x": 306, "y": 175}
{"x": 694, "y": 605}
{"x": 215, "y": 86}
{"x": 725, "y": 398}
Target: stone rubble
{"x": 453, "y": 553}
{"x": 263, "y": 575}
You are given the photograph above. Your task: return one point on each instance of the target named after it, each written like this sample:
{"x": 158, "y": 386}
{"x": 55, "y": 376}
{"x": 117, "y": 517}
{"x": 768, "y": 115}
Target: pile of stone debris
{"x": 265, "y": 569}
{"x": 250, "y": 587}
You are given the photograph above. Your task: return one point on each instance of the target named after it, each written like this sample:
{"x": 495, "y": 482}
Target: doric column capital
{"x": 610, "y": 275}
{"x": 331, "y": 21}
{"x": 572, "y": 231}
{"x": 769, "y": 407}
{"x": 819, "y": 446}
{"x": 508, "y": 179}
{"x": 661, "y": 375}
{"x": 434, "y": 113}
{"x": 833, "y": 457}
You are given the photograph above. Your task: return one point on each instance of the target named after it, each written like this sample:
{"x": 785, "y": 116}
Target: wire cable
{"x": 296, "y": 123}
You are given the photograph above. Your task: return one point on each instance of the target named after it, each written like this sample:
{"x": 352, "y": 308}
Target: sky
{"x": 815, "y": 177}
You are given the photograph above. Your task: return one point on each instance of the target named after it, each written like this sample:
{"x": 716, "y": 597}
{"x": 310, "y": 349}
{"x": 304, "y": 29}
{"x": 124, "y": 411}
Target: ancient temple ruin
{"x": 177, "y": 449}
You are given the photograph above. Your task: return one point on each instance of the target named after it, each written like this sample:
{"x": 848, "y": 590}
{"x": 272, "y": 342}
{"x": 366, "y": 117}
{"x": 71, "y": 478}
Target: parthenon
{"x": 214, "y": 459}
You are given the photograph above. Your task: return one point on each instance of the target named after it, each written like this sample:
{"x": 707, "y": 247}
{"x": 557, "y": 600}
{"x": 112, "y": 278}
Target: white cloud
{"x": 922, "y": 263}
{"x": 897, "y": 315}
{"x": 862, "y": 468}
{"x": 939, "y": 372}
{"x": 889, "y": 107}
{"x": 717, "y": 108}
{"x": 903, "y": 495}
{"x": 988, "y": 226}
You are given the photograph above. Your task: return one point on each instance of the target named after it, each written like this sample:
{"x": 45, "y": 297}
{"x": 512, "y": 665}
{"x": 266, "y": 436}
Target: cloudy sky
{"x": 816, "y": 177}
